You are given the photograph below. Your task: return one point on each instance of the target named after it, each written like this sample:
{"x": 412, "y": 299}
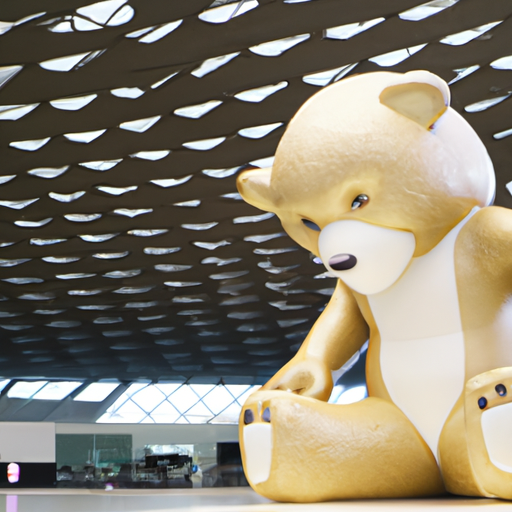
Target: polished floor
{"x": 212, "y": 500}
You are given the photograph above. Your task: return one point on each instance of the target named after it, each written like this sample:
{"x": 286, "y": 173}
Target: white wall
{"x": 156, "y": 434}
{"x": 27, "y": 442}
{"x": 35, "y": 441}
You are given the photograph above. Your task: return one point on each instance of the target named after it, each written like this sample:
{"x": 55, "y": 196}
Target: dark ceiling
{"x": 125, "y": 251}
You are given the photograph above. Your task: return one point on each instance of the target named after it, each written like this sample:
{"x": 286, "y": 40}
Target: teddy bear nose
{"x": 342, "y": 261}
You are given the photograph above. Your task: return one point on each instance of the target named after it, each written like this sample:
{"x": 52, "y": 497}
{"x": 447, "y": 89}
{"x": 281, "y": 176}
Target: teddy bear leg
{"x": 476, "y": 445}
{"x": 303, "y": 450}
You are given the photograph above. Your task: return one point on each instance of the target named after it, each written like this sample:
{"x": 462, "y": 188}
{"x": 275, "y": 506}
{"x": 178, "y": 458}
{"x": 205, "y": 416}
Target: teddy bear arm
{"x": 486, "y": 244}
{"x": 498, "y": 225}
{"x": 336, "y": 336}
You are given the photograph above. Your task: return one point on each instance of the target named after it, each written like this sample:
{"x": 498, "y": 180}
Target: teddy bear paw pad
{"x": 496, "y": 421}
{"x": 257, "y": 444}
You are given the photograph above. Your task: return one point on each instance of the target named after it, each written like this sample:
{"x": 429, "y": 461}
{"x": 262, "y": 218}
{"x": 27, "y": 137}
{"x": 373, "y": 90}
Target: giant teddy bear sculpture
{"x": 391, "y": 188}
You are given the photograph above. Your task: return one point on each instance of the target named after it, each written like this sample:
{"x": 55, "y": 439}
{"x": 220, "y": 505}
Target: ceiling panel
{"x": 125, "y": 249}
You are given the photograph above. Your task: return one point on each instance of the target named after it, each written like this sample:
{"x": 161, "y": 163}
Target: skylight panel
{"x": 278, "y": 47}
{"x": 64, "y": 64}
{"x": 132, "y": 212}
{"x": 101, "y": 165}
{"x": 82, "y": 25}
{"x": 260, "y": 93}
{"x": 56, "y": 390}
{"x": 268, "y": 161}
{"x": 48, "y": 172}
{"x": 502, "y": 63}
{"x": 73, "y": 103}
{"x": 393, "y": 58}
{"x": 82, "y": 217}
{"x": 171, "y": 182}
{"x": 503, "y": 134}
{"x": 26, "y": 389}
{"x": 258, "y": 132}
{"x": 210, "y": 65}
{"x": 149, "y": 232}
{"x": 140, "y": 125}
{"x": 5, "y": 26}
{"x": 204, "y": 145}
{"x": 74, "y": 275}
{"x": 28, "y": 18}
{"x": 253, "y": 218}
{"x": 463, "y": 73}
{"x": 151, "y": 155}
{"x": 160, "y": 251}
{"x": 96, "y": 392}
{"x": 140, "y": 32}
{"x": 127, "y": 92}
{"x": 60, "y": 260}
{"x": 110, "y": 256}
{"x": 197, "y": 111}
{"x": 163, "y": 80}
{"x": 326, "y": 77}
{"x": 123, "y": 274}
{"x": 4, "y": 383}
{"x": 122, "y": 16}
{"x": 160, "y": 32}
{"x": 8, "y": 72}
{"x": 18, "y": 205}
{"x": 66, "y": 198}
{"x": 193, "y": 203}
{"x": 224, "y": 13}
{"x": 29, "y": 145}
{"x": 211, "y": 246}
{"x": 466, "y": 36}
{"x": 61, "y": 28}
{"x": 344, "y": 32}
{"x": 33, "y": 223}
{"x": 101, "y": 12}
{"x": 15, "y": 112}
{"x": 423, "y": 11}
{"x": 84, "y": 137}
{"x": 485, "y": 104}
{"x": 116, "y": 191}
{"x": 12, "y": 262}
{"x": 37, "y": 296}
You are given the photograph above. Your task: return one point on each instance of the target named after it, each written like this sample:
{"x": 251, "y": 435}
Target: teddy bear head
{"x": 383, "y": 150}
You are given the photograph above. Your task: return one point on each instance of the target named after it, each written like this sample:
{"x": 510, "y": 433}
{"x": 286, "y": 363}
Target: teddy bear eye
{"x": 311, "y": 225}
{"x": 360, "y": 201}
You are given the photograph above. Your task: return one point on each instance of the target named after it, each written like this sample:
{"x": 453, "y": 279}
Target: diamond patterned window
{"x": 178, "y": 403}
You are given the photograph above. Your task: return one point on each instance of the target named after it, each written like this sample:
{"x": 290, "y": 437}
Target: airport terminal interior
{"x": 141, "y": 299}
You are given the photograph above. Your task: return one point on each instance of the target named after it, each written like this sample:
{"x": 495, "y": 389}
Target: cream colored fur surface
{"x": 379, "y": 177}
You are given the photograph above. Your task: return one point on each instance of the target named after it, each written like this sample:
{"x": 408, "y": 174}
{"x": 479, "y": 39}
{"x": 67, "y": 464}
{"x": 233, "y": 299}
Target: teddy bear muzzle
{"x": 368, "y": 258}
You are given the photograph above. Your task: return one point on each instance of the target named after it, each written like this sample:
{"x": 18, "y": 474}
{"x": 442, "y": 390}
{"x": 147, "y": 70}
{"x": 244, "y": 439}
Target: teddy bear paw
{"x": 488, "y": 410}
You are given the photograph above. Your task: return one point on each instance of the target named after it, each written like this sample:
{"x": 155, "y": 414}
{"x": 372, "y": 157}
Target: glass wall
{"x": 111, "y": 461}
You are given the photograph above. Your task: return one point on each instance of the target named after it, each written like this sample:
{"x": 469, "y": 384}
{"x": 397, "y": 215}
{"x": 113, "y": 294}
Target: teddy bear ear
{"x": 419, "y": 95}
{"x": 254, "y": 187}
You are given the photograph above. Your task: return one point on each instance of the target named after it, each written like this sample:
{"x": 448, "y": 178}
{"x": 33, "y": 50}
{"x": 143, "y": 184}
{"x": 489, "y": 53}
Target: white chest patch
{"x": 422, "y": 345}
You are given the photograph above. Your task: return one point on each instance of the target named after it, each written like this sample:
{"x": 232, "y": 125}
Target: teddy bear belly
{"x": 424, "y": 378}
{"x": 422, "y": 352}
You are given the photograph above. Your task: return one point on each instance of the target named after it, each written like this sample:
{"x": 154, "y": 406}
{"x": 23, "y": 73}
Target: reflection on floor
{"x": 209, "y": 500}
